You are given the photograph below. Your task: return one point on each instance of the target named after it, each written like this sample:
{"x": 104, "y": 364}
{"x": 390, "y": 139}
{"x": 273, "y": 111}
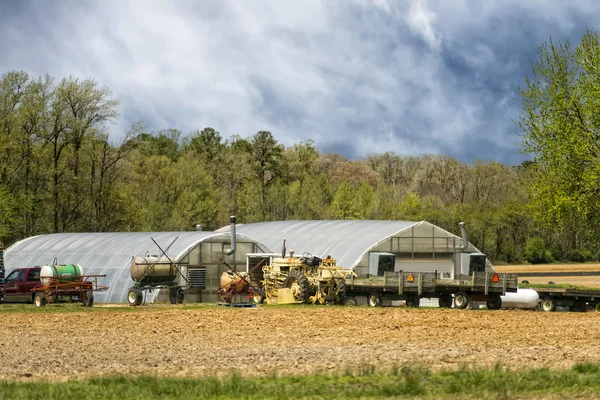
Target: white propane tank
{"x": 522, "y": 298}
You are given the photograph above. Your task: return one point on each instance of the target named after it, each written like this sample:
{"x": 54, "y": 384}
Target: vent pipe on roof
{"x": 465, "y": 239}
{"x": 230, "y": 251}
{"x": 199, "y": 228}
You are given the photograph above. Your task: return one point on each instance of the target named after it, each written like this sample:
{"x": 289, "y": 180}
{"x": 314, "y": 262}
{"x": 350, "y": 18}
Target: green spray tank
{"x": 62, "y": 273}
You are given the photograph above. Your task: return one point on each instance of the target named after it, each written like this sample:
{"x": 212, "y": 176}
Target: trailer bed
{"x": 411, "y": 286}
{"x": 576, "y": 299}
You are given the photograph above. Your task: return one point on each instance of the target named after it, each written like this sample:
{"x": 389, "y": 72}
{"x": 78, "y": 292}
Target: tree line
{"x": 61, "y": 173}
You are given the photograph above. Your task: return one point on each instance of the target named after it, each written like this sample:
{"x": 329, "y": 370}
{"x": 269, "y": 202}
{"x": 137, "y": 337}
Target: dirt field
{"x": 174, "y": 341}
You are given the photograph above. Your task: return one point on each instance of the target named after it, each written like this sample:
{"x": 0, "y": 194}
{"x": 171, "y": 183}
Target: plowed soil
{"x": 180, "y": 342}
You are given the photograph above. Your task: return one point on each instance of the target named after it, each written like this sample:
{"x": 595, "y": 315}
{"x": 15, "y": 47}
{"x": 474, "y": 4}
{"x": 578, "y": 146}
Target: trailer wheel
{"x": 88, "y": 298}
{"x": 180, "y": 296}
{"x": 375, "y": 299}
{"x": 413, "y": 301}
{"x": 548, "y": 304}
{"x": 258, "y": 295}
{"x": 461, "y": 300}
{"x": 445, "y": 300}
{"x": 350, "y": 301}
{"x": 597, "y": 305}
{"x": 578, "y": 306}
{"x": 135, "y": 297}
{"x": 494, "y": 303}
{"x": 40, "y": 299}
{"x": 173, "y": 296}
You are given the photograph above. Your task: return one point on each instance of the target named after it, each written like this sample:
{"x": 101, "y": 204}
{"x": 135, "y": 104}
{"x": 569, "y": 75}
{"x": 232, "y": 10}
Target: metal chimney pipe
{"x": 231, "y": 250}
{"x": 463, "y": 232}
{"x": 199, "y": 228}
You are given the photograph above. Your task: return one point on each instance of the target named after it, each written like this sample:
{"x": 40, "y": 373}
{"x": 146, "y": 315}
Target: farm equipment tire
{"x": 494, "y": 303}
{"x": 375, "y": 299}
{"x": 578, "y": 306}
{"x": 258, "y": 295}
{"x": 176, "y": 295}
{"x": 180, "y": 296}
{"x": 299, "y": 285}
{"x": 597, "y": 306}
{"x": 445, "y": 300}
{"x": 548, "y": 304}
{"x": 340, "y": 295}
{"x": 461, "y": 300}
{"x": 413, "y": 301}
{"x": 87, "y": 298}
{"x": 40, "y": 299}
{"x": 135, "y": 297}
{"x": 350, "y": 301}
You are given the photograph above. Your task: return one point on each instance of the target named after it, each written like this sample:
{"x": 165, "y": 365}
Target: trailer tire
{"x": 40, "y": 299}
{"x": 375, "y": 299}
{"x": 548, "y": 304}
{"x": 494, "y": 303}
{"x": 180, "y": 296}
{"x": 258, "y": 295}
{"x": 597, "y": 305}
{"x": 413, "y": 301}
{"x": 135, "y": 297}
{"x": 461, "y": 300}
{"x": 578, "y": 306}
{"x": 350, "y": 301}
{"x": 445, "y": 300}
{"x": 298, "y": 282}
{"x": 87, "y": 298}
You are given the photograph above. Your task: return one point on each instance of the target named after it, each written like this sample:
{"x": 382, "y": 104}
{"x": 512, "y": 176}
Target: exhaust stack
{"x": 283, "y": 249}
{"x": 465, "y": 239}
{"x": 230, "y": 251}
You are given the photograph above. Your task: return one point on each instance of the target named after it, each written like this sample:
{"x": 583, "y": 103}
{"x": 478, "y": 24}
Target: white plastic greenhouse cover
{"x": 345, "y": 240}
{"x": 101, "y": 254}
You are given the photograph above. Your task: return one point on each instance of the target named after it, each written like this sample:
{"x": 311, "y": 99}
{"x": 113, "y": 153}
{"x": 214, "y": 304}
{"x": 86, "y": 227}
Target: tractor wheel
{"x": 445, "y": 300}
{"x": 461, "y": 300}
{"x": 375, "y": 299}
{"x": 494, "y": 303}
{"x": 135, "y": 297}
{"x": 413, "y": 301}
{"x": 40, "y": 299}
{"x": 340, "y": 295}
{"x": 299, "y": 285}
{"x": 350, "y": 301}
{"x": 548, "y": 304}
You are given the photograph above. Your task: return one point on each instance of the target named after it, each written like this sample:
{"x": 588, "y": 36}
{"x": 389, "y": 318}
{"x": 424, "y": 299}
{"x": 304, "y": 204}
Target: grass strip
{"x": 581, "y": 381}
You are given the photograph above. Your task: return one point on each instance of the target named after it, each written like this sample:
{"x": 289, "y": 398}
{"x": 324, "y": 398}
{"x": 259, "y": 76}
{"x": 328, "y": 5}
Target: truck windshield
{"x": 477, "y": 264}
{"x": 12, "y": 276}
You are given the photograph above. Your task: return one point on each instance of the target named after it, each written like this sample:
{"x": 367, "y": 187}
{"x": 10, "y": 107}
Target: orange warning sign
{"x": 410, "y": 278}
{"x": 496, "y": 278}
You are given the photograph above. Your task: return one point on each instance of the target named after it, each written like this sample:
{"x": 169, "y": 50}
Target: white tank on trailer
{"x": 522, "y": 298}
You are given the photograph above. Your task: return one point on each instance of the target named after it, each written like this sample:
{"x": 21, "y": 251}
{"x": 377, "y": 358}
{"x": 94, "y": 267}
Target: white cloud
{"x": 349, "y": 74}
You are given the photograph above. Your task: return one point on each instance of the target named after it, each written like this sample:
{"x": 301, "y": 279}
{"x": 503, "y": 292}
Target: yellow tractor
{"x": 303, "y": 280}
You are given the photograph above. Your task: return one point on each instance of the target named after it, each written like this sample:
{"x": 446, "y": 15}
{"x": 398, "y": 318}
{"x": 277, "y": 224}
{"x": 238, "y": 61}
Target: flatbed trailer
{"x": 412, "y": 286}
{"x": 577, "y": 300}
{"x": 80, "y": 288}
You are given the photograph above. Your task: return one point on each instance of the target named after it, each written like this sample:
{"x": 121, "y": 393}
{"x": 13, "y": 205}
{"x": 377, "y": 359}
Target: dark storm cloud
{"x": 357, "y": 77}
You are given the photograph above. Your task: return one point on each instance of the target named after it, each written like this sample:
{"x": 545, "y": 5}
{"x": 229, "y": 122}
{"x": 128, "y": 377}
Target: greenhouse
{"x": 111, "y": 254}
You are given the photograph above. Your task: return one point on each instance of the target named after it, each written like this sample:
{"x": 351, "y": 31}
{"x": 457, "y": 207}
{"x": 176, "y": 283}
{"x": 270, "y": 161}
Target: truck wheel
{"x": 375, "y": 299}
{"x": 413, "y": 301}
{"x": 445, "y": 300}
{"x": 548, "y": 304}
{"x": 494, "y": 303}
{"x": 135, "y": 297}
{"x": 40, "y": 299}
{"x": 461, "y": 300}
{"x": 350, "y": 301}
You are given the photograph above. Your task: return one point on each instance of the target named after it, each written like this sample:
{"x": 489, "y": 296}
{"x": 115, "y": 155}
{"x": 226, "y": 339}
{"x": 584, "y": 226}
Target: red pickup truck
{"x": 18, "y": 285}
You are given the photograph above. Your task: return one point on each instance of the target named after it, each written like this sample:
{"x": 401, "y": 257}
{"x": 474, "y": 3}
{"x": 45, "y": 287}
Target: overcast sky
{"x": 357, "y": 77}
